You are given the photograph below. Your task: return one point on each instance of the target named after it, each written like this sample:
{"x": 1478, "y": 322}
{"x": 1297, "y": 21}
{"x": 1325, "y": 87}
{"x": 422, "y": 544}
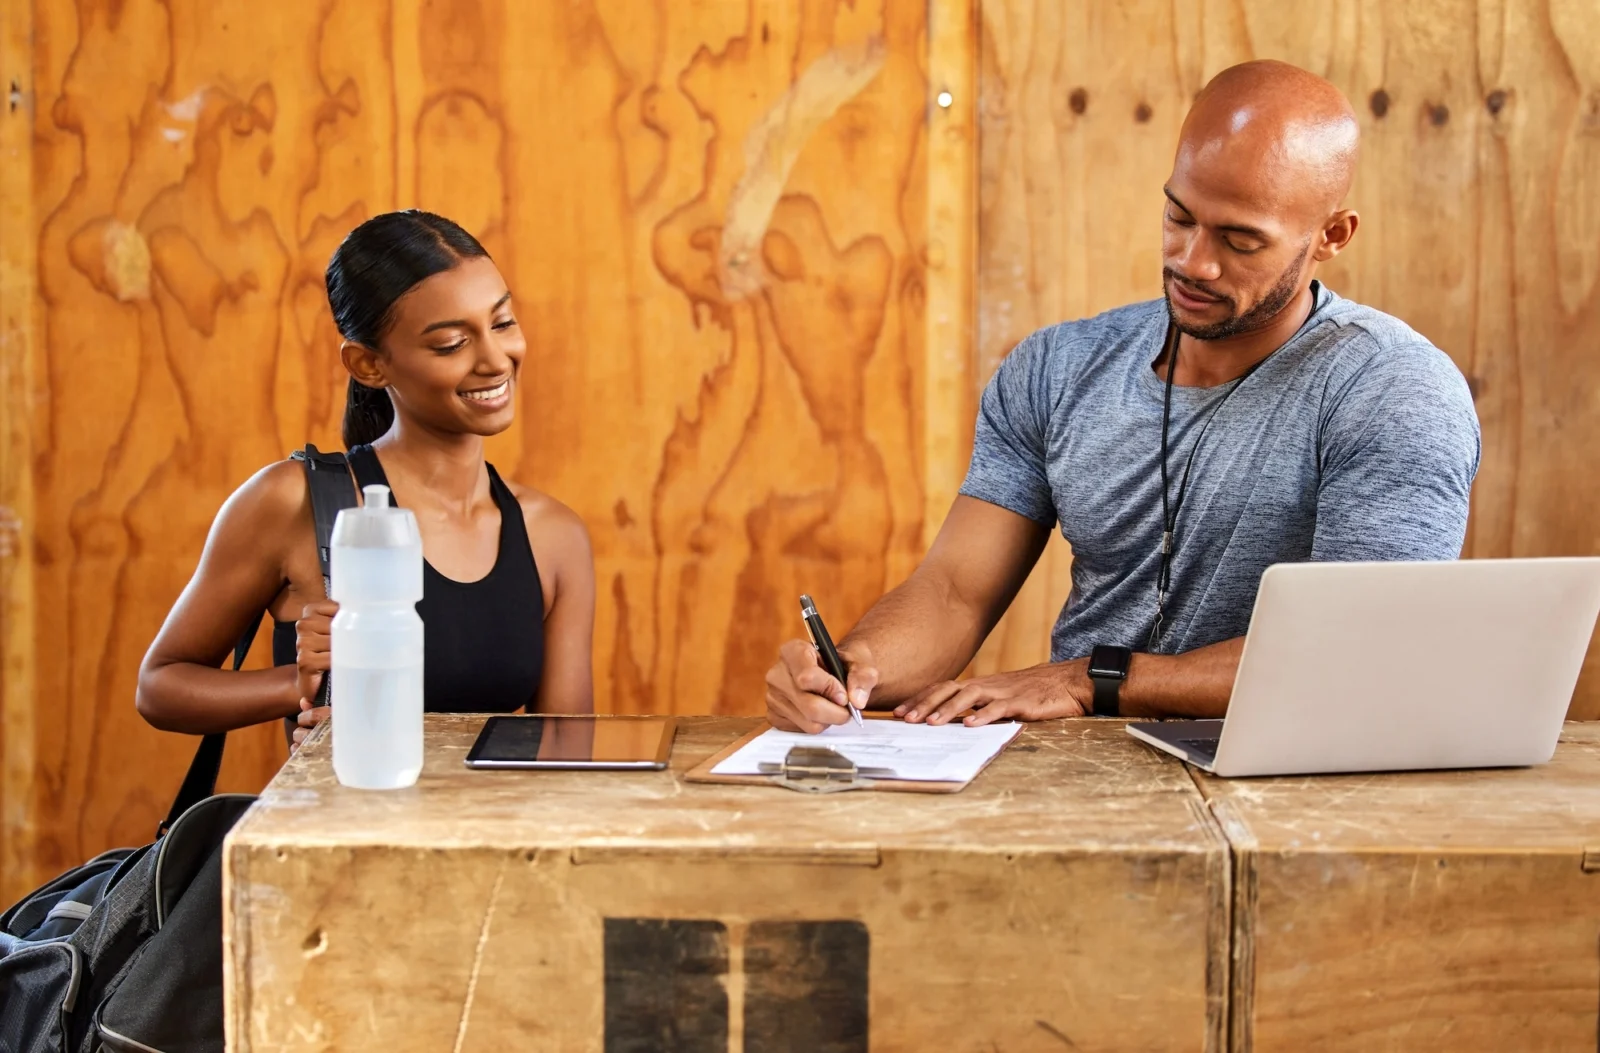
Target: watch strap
{"x": 1106, "y": 692}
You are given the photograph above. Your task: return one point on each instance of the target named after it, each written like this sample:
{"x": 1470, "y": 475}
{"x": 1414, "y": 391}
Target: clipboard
{"x": 821, "y": 770}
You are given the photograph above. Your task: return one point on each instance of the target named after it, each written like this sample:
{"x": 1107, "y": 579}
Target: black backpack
{"x": 124, "y": 953}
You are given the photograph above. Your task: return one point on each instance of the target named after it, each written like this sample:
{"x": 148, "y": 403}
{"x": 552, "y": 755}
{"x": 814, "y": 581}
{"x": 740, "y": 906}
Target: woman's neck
{"x": 443, "y": 469}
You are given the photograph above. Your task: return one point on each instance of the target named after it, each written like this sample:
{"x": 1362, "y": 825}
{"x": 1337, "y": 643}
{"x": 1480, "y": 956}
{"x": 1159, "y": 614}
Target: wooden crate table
{"x": 1074, "y": 897}
{"x": 1420, "y": 911}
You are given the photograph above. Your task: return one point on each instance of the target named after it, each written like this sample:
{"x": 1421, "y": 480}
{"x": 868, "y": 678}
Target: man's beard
{"x": 1276, "y": 300}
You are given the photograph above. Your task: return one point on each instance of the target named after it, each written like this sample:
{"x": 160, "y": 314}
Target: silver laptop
{"x": 1353, "y": 667}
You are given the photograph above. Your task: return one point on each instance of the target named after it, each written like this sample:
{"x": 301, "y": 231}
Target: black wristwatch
{"x": 1108, "y": 668}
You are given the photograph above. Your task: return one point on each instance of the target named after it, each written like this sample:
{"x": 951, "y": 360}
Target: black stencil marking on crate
{"x": 806, "y": 987}
{"x": 665, "y": 986}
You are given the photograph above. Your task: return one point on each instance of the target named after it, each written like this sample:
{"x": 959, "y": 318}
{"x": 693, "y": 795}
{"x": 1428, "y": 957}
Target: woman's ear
{"x": 363, "y": 363}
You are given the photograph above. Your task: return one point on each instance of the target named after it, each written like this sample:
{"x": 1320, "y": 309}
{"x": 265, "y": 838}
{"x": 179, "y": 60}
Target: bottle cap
{"x": 377, "y": 552}
{"x": 376, "y": 524}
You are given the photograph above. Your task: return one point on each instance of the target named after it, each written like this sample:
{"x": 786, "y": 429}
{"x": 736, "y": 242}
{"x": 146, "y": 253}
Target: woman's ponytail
{"x": 368, "y": 413}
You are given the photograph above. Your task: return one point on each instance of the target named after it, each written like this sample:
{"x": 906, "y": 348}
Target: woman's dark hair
{"x": 376, "y": 264}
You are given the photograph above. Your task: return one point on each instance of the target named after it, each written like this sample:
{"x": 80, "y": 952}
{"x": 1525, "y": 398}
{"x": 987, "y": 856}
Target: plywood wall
{"x": 720, "y": 227}
{"x": 1479, "y": 191}
{"x": 742, "y": 237}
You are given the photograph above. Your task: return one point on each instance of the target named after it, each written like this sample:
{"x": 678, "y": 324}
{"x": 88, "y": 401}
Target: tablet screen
{"x": 573, "y": 742}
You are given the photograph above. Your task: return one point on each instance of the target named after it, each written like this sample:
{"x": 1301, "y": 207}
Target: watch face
{"x": 1109, "y": 661}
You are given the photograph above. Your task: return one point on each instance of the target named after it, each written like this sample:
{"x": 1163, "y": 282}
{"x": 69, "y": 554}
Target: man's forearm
{"x": 1194, "y": 684}
{"x": 919, "y": 633}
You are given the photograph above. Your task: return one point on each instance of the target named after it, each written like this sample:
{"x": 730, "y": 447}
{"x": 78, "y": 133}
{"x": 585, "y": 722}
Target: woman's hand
{"x": 312, "y": 649}
{"x": 310, "y": 717}
{"x": 313, "y": 656}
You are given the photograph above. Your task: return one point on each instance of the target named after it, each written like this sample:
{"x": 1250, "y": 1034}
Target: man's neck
{"x": 1208, "y": 363}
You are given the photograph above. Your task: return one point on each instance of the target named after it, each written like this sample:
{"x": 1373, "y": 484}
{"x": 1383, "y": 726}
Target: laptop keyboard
{"x": 1206, "y": 749}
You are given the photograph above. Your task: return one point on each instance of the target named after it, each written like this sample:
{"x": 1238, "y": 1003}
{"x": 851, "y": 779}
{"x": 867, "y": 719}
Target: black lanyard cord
{"x": 1171, "y": 508}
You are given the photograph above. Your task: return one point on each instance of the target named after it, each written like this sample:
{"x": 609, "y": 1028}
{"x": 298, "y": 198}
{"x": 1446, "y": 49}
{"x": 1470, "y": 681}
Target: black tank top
{"x": 483, "y": 641}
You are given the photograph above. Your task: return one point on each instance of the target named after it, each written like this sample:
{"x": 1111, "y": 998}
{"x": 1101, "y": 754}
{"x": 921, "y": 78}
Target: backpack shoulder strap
{"x": 331, "y": 490}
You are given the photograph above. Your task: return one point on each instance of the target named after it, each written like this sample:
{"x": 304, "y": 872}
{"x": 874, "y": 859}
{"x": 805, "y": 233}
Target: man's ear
{"x": 1336, "y": 234}
{"x": 363, "y": 364}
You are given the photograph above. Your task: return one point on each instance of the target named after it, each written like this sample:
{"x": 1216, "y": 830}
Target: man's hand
{"x": 1043, "y": 692}
{"x": 802, "y": 696}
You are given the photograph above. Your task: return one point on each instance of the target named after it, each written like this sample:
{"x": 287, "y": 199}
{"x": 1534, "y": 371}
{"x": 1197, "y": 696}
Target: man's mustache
{"x": 1198, "y": 288}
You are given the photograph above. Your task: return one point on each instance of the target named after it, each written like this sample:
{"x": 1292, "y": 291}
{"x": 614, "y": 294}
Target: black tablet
{"x": 574, "y": 742}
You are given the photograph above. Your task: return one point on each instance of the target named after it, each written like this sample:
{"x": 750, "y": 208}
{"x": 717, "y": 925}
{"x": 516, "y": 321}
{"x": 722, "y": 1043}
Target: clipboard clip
{"x": 819, "y": 769}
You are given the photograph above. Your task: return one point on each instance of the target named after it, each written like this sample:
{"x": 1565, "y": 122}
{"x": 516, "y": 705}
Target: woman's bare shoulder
{"x": 263, "y": 524}
{"x": 551, "y": 524}
{"x": 274, "y": 496}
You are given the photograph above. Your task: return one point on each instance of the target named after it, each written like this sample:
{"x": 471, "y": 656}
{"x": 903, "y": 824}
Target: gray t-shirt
{"x": 1356, "y": 440}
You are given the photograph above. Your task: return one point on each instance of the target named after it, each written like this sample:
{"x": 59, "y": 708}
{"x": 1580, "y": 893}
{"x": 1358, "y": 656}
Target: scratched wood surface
{"x": 1479, "y": 191}
{"x": 1077, "y": 877}
{"x": 1419, "y": 911}
{"x": 716, "y": 220}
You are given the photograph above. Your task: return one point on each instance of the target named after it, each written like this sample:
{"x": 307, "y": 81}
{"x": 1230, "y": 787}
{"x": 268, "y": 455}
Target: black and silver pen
{"x": 826, "y": 651}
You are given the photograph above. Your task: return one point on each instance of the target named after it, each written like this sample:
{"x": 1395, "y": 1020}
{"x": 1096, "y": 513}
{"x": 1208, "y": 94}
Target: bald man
{"x": 1249, "y": 417}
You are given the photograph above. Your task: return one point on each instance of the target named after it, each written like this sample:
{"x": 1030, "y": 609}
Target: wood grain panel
{"x": 951, "y": 399}
{"x": 1478, "y": 189}
{"x": 715, "y": 218}
{"x": 724, "y": 282}
{"x": 18, "y": 311}
{"x": 194, "y": 166}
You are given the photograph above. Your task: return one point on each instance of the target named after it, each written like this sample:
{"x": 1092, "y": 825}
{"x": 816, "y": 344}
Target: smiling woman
{"x": 434, "y": 353}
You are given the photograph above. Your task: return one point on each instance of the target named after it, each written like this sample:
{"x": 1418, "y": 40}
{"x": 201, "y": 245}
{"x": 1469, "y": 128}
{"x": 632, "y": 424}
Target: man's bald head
{"x": 1264, "y": 162}
{"x": 1288, "y": 133}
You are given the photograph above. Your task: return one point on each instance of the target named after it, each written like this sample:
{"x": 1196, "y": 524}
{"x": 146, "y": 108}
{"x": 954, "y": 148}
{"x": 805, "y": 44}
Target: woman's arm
{"x": 566, "y": 569}
{"x": 241, "y": 570}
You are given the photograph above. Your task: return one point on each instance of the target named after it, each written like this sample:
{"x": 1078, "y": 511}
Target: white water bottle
{"x": 377, "y": 645}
